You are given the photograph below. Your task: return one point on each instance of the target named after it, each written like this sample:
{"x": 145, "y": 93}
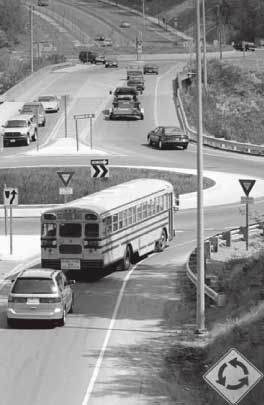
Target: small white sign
{"x": 10, "y": 197}
{"x": 233, "y": 376}
{"x": 65, "y": 190}
{"x": 247, "y": 200}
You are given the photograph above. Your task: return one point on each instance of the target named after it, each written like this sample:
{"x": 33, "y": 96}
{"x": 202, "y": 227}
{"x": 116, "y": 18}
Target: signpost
{"x": 99, "y": 168}
{"x": 10, "y": 198}
{"x": 247, "y": 185}
{"x": 65, "y": 178}
{"x": 82, "y": 117}
{"x": 64, "y": 97}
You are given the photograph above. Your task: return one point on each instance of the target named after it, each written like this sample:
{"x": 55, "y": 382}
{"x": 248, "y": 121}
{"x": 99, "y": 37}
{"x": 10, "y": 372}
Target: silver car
{"x": 40, "y": 294}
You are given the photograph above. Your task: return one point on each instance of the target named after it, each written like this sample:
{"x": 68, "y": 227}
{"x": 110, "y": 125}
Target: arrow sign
{"x": 247, "y": 185}
{"x": 99, "y": 168}
{"x": 10, "y": 197}
{"x": 65, "y": 177}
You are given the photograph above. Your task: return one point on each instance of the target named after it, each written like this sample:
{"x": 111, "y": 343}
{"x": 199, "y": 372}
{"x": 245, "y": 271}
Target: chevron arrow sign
{"x": 99, "y": 168}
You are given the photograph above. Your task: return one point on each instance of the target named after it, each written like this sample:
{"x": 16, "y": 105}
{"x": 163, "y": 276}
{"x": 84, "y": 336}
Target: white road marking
{"x": 107, "y": 337}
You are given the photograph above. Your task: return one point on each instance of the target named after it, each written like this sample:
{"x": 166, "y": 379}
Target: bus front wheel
{"x": 127, "y": 259}
{"x": 161, "y": 243}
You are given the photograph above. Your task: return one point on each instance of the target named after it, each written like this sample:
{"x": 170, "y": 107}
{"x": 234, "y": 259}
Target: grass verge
{"x": 41, "y": 185}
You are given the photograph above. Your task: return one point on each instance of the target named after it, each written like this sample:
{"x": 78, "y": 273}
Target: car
{"x": 50, "y": 103}
{"x": 136, "y": 82}
{"x": 168, "y": 136}
{"x": 123, "y": 91}
{"x": 36, "y": 108}
{"x": 125, "y": 24}
{"x": 40, "y": 294}
{"x": 107, "y": 42}
{"x": 111, "y": 63}
{"x": 87, "y": 56}
{"x": 150, "y": 68}
{"x": 100, "y": 59}
{"x": 20, "y": 129}
{"x": 99, "y": 38}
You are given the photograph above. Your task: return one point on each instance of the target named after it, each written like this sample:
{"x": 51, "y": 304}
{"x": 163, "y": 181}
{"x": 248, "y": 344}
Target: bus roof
{"x": 117, "y": 196}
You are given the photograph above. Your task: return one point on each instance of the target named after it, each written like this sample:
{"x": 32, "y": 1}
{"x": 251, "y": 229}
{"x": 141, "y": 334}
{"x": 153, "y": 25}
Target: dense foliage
{"x": 232, "y": 106}
{"x": 12, "y": 21}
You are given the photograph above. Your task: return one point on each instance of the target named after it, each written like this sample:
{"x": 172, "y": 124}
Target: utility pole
{"x": 31, "y": 22}
{"x": 143, "y": 12}
{"x": 219, "y": 22}
{"x": 204, "y": 47}
{"x": 200, "y": 301}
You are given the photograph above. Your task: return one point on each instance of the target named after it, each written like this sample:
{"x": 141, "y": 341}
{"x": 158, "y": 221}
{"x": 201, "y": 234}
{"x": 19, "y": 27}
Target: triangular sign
{"x": 247, "y": 185}
{"x": 65, "y": 177}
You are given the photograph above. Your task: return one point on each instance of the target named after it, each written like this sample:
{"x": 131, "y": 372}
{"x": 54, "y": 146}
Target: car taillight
{"x": 51, "y": 300}
{"x": 17, "y": 299}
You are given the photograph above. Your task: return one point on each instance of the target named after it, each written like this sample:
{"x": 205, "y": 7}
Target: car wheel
{"x": 185, "y": 147}
{"x": 72, "y": 305}
{"x": 161, "y": 243}
{"x": 28, "y": 140}
{"x": 34, "y": 136}
{"x": 61, "y": 322}
{"x": 160, "y": 144}
{"x": 150, "y": 143}
{"x": 10, "y": 322}
{"x": 141, "y": 116}
{"x": 44, "y": 123}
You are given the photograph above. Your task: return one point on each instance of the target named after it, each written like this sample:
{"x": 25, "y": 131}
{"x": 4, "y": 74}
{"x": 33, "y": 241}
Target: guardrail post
{"x": 228, "y": 238}
{"x": 214, "y": 244}
{"x": 207, "y": 249}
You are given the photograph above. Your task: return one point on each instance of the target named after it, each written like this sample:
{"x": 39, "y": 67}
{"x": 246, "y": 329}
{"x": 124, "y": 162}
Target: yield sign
{"x": 247, "y": 185}
{"x": 65, "y": 177}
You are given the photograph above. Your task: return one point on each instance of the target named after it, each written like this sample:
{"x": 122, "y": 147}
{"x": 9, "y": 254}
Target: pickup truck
{"x": 137, "y": 82}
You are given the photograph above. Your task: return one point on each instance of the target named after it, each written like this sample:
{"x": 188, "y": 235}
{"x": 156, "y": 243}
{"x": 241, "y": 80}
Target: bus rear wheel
{"x": 161, "y": 243}
{"x": 127, "y": 259}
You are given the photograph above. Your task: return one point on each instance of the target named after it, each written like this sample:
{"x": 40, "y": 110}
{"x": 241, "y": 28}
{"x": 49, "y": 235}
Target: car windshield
{"x": 16, "y": 124}
{"x": 46, "y": 98}
{"x": 34, "y": 285}
{"x": 28, "y": 108}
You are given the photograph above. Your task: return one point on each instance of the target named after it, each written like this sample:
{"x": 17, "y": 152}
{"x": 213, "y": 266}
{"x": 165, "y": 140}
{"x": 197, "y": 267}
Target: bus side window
{"x": 130, "y": 216}
{"x": 139, "y": 212}
{"x": 121, "y": 220}
{"x": 108, "y": 225}
{"x": 125, "y": 213}
{"x": 134, "y": 218}
{"x": 145, "y": 210}
{"x": 115, "y": 222}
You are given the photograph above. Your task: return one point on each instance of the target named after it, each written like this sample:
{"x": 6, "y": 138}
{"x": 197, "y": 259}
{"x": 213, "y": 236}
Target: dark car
{"x": 99, "y": 38}
{"x": 168, "y": 136}
{"x": 111, "y": 63}
{"x": 122, "y": 91}
{"x": 87, "y": 56}
{"x": 151, "y": 68}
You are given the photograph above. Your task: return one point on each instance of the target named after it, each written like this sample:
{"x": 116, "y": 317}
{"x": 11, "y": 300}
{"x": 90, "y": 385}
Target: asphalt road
{"x": 111, "y": 349}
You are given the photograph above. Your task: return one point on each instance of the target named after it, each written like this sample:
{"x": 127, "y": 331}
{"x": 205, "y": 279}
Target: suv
{"x": 87, "y": 56}
{"x": 100, "y": 59}
{"x": 40, "y": 294}
{"x": 36, "y": 108}
{"x": 21, "y": 128}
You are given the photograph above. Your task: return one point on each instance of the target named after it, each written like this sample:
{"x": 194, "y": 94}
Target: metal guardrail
{"x": 217, "y": 143}
{"x": 218, "y": 298}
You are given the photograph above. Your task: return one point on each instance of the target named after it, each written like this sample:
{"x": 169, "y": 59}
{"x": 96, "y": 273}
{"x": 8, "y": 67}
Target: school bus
{"x": 114, "y": 226}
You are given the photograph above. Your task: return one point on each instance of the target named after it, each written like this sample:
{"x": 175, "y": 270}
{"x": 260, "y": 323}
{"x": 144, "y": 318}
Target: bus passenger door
{"x": 170, "y": 208}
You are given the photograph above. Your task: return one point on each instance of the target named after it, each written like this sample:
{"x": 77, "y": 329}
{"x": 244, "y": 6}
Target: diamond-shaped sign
{"x": 233, "y": 376}
{"x": 247, "y": 185}
{"x": 65, "y": 177}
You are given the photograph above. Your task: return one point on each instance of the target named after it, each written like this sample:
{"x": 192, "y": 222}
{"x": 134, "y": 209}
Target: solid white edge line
{"x": 106, "y": 340}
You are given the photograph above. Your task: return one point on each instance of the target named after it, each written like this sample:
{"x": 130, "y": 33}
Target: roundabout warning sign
{"x": 233, "y": 376}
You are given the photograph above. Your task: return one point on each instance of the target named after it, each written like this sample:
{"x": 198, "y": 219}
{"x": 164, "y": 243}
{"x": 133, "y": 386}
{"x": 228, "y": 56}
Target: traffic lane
{"x": 141, "y": 332}
{"x": 112, "y": 16}
{"x": 55, "y": 364}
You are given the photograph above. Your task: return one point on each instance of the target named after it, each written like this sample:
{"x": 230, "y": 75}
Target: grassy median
{"x": 41, "y": 185}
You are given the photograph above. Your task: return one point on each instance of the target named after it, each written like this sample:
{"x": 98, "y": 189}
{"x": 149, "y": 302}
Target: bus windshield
{"x": 71, "y": 230}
